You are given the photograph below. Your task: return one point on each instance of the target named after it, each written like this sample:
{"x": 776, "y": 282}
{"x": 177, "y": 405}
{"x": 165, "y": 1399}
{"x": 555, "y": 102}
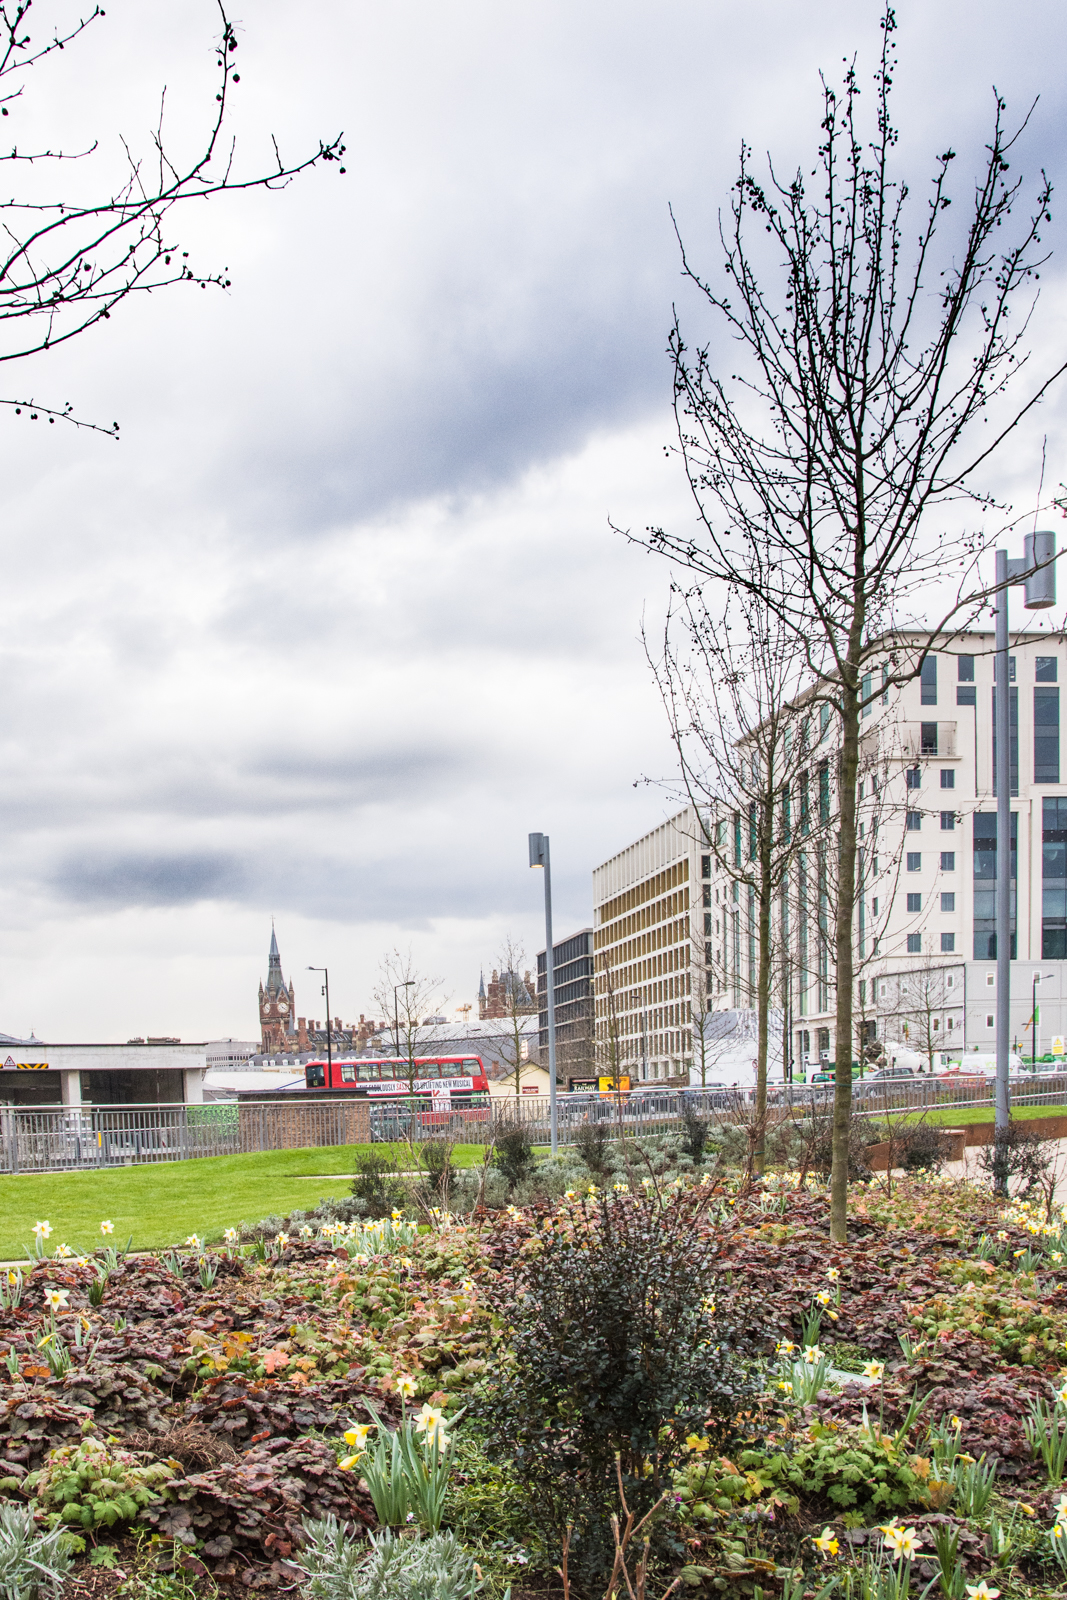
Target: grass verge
{"x": 961, "y": 1118}
{"x": 161, "y": 1205}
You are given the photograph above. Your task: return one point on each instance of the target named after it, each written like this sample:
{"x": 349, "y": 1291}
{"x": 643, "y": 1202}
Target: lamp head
{"x": 1040, "y": 586}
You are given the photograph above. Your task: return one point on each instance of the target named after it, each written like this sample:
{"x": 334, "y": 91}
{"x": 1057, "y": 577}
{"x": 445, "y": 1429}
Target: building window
{"x": 965, "y": 669}
{"x": 985, "y": 884}
{"x": 948, "y": 901}
{"x": 865, "y": 693}
{"x": 928, "y": 738}
{"x": 874, "y": 906}
{"x": 948, "y": 861}
{"x": 1054, "y": 878}
{"x": 705, "y": 866}
{"x": 824, "y": 720}
{"x": 824, "y": 792}
{"x": 948, "y": 778}
{"x": 989, "y": 1020}
{"x": 948, "y": 821}
{"x": 990, "y": 980}
{"x": 1047, "y": 735}
{"x": 914, "y": 777}
{"x": 915, "y": 944}
{"x": 1045, "y": 669}
{"x": 966, "y": 694}
{"x": 913, "y": 821}
{"x": 1013, "y": 737}
{"x": 948, "y": 944}
{"x": 915, "y": 861}
{"x": 915, "y": 902}
{"x": 928, "y": 680}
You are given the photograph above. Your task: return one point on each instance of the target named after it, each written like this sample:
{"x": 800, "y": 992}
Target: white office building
{"x": 668, "y": 913}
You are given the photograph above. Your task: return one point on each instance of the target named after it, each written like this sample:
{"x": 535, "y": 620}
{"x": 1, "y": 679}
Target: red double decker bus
{"x": 444, "y": 1081}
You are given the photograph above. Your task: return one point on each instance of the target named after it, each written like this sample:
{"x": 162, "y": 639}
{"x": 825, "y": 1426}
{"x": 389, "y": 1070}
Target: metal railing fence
{"x": 81, "y": 1137}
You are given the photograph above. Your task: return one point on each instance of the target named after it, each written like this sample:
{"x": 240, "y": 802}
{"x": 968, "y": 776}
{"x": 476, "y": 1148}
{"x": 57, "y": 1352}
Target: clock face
{"x": 283, "y": 1005}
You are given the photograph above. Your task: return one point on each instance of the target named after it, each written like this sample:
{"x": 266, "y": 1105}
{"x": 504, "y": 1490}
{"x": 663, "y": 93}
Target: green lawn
{"x": 161, "y": 1205}
{"x": 962, "y": 1116}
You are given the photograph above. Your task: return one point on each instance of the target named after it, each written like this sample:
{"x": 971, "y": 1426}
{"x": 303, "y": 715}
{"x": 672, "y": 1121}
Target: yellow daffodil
{"x": 42, "y": 1230}
{"x": 356, "y": 1435}
{"x": 1027, "y": 1511}
{"x": 571, "y": 1194}
{"x": 823, "y": 1297}
{"x": 786, "y": 1388}
{"x": 981, "y": 1591}
{"x": 107, "y": 1227}
{"x": 833, "y": 1273}
{"x": 349, "y": 1462}
{"x": 1062, "y": 1395}
{"x": 874, "y": 1369}
{"x": 957, "y": 1423}
{"x": 405, "y": 1386}
{"x": 428, "y": 1420}
{"x": 826, "y": 1544}
{"x": 901, "y": 1541}
{"x": 1056, "y": 1256}
{"x": 785, "y": 1347}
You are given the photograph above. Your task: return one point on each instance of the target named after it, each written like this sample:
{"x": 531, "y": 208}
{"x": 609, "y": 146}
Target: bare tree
{"x": 67, "y": 263}
{"x": 870, "y": 386}
{"x": 410, "y": 1001}
{"x": 730, "y": 686}
{"x": 918, "y": 1001}
{"x": 511, "y": 1043}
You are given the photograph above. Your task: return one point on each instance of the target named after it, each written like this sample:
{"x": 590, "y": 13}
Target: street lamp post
{"x": 408, "y": 983}
{"x": 1035, "y": 570}
{"x": 326, "y": 992}
{"x": 1039, "y": 977}
{"x": 539, "y": 857}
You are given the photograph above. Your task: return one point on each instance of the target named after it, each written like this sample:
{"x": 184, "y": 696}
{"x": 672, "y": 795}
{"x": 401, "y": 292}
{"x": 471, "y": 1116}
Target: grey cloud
{"x": 149, "y": 879}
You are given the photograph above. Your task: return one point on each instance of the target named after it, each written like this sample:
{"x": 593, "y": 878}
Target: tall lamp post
{"x": 1035, "y": 570}
{"x": 407, "y": 984}
{"x": 1039, "y": 977}
{"x": 326, "y": 992}
{"x": 539, "y": 857}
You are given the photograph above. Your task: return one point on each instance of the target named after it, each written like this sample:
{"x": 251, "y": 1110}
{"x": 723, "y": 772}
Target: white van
{"x": 975, "y": 1065}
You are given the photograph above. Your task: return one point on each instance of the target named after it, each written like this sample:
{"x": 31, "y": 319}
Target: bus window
{"x": 472, "y": 1069}
{"x": 429, "y": 1069}
{"x": 348, "y": 1074}
{"x": 315, "y": 1076}
{"x": 368, "y": 1072}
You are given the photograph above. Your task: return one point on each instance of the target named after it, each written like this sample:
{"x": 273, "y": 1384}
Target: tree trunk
{"x": 763, "y": 988}
{"x": 846, "y": 894}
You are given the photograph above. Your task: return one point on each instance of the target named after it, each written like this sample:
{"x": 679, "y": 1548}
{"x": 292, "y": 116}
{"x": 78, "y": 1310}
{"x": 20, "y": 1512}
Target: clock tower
{"x": 276, "y": 1006}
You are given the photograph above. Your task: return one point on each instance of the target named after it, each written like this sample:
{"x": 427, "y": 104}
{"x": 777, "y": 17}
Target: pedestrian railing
{"x": 80, "y": 1137}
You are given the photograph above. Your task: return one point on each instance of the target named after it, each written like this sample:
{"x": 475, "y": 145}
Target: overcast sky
{"x": 342, "y": 619}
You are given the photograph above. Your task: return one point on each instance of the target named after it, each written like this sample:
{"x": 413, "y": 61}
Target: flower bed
{"x": 203, "y": 1398}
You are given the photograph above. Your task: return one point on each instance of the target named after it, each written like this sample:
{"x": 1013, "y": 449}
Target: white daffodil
{"x": 107, "y": 1226}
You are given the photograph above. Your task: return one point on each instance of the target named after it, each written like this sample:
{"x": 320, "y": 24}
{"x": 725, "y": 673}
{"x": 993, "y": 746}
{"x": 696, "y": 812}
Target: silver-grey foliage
{"x": 33, "y": 1564}
{"x": 390, "y": 1568}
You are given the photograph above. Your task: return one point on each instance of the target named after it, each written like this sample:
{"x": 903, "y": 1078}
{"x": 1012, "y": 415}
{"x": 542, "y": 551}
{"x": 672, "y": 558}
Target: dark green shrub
{"x": 376, "y": 1183}
{"x": 616, "y": 1347}
{"x": 436, "y": 1157}
{"x": 514, "y": 1152}
{"x": 922, "y": 1147}
{"x": 591, "y": 1140}
{"x": 694, "y": 1135}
